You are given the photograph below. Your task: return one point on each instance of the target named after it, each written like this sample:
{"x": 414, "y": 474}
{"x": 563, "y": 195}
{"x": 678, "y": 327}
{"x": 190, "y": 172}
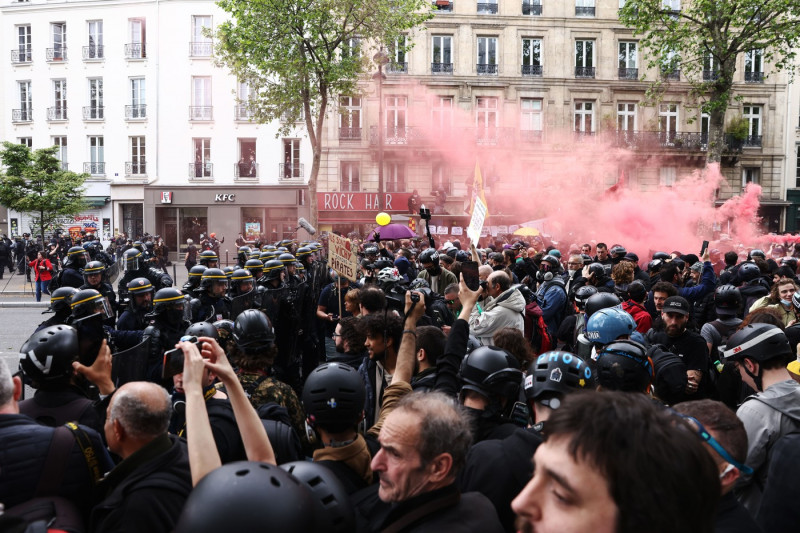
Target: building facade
{"x": 131, "y": 94}
{"x": 528, "y": 87}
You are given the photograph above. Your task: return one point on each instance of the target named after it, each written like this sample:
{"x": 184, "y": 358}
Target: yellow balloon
{"x": 383, "y": 218}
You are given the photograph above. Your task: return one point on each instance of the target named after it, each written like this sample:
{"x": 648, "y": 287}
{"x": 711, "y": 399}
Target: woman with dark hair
{"x": 512, "y": 341}
{"x": 44, "y": 273}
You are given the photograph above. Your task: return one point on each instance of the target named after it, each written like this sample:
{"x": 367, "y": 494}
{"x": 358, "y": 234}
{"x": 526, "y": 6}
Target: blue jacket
{"x": 551, "y": 297}
{"x": 707, "y": 284}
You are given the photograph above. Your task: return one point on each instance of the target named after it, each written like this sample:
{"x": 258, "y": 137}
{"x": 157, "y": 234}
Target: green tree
{"x": 703, "y": 38}
{"x": 33, "y": 182}
{"x": 298, "y": 56}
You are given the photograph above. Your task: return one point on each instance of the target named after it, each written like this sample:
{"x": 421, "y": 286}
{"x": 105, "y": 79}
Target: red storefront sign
{"x": 363, "y": 201}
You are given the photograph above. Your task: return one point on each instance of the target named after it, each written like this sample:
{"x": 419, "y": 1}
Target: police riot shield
{"x": 130, "y": 365}
{"x": 112, "y": 273}
{"x": 241, "y": 303}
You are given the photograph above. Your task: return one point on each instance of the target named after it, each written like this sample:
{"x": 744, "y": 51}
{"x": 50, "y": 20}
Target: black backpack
{"x": 55, "y": 282}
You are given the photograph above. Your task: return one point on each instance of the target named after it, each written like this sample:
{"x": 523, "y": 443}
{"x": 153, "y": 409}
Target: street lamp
{"x": 380, "y": 59}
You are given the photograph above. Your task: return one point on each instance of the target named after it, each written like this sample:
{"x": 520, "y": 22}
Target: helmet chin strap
{"x": 756, "y": 378}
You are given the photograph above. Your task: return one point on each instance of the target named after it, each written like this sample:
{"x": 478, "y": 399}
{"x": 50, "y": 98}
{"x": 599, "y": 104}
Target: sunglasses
{"x": 451, "y": 302}
{"x": 703, "y": 433}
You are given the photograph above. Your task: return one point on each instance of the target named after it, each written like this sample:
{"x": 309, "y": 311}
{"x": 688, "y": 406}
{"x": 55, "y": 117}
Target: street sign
{"x": 342, "y": 257}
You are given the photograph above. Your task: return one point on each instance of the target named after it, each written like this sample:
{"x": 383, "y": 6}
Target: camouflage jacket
{"x": 272, "y": 390}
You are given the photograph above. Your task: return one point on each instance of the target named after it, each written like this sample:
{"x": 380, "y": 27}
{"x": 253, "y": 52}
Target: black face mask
{"x": 434, "y": 271}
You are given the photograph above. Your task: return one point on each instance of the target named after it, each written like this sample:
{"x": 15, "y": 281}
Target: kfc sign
{"x": 362, "y": 201}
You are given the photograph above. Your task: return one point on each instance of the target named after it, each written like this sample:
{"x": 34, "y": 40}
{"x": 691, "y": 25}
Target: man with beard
{"x": 140, "y": 292}
{"x": 349, "y": 341}
{"x": 437, "y": 277}
{"x": 383, "y": 333}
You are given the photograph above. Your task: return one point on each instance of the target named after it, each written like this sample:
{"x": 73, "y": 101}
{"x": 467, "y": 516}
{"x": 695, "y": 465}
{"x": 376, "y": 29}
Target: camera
{"x": 424, "y": 213}
{"x": 414, "y": 297}
{"x": 173, "y": 359}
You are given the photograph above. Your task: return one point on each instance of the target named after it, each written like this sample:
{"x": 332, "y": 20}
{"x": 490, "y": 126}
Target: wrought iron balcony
{"x": 710, "y": 75}
{"x": 135, "y": 168}
{"x": 245, "y": 169}
{"x": 94, "y": 52}
{"x": 397, "y": 68}
{"x": 628, "y": 73}
{"x": 136, "y": 112}
{"x": 401, "y": 135}
{"x": 752, "y": 141}
{"x": 487, "y": 8}
{"x": 199, "y": 170}
{"x": 661, "y": 140}
{"x": 56, "y": 54}
{"x": 201, "y": 48}
{"x": 94, "y": 113}
{"x": 201, "y": 112}
{"x": 95, "y": 168}
{"x": 350, "y": 134}
{"x": 57, "y": 113}
{"x": 531, "y": 70}
{"x": 584, "y": 72}
{"x": 484, "y": 69}
{"x": 241, "y": 112}
{"x": 531, "y": 136}
{"x": 22, "y": 115}
{"x": 443, "y": 5}
{"x": 753, "y": 77}
{"x": 671, "y": 75}
{"x": 493, "y": 136}
{"x": 441, "y": 68}
{"x": 135, "y": 51}
{"x": 22, "y": 55}
{"x": 584, "y": 11}
{"x": 531, "y": 8}
{"x": 288, "y": 171}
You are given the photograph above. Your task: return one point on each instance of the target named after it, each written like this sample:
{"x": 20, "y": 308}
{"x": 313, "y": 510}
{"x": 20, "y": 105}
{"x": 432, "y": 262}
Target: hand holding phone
{"x": 469, "y": 269}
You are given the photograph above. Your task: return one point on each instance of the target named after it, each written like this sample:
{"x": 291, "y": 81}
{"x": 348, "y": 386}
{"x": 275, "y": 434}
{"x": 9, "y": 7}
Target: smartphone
{"x": 173, "y": 359}
{"x": 703, "y": 249}
{"x": 469, "y": 269}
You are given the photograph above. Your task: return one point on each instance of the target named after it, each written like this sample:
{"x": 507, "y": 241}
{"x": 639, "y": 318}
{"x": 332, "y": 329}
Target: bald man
{"x": 147, "y": 490}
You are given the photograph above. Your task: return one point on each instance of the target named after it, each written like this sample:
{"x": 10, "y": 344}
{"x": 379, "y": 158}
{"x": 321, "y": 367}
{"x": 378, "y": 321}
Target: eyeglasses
{"x": 451, "y": 302}
{"x": 575, "y": 264}
{"x": 703, "y": 433}
{"x": 336, "y": 334}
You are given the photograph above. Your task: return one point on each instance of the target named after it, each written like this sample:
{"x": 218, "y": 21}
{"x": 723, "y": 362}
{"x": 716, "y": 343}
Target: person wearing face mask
{"x": 437, "y": 277}
{"x": 780, "y": 299}
{"x": 574, "y": 270}
{"x": 167, "y": 326}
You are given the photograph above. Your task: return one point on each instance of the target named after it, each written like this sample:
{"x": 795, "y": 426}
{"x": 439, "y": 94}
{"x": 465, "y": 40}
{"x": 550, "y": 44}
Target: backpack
{"x": 536, "y": 330}
{"x": 55, "y": 281}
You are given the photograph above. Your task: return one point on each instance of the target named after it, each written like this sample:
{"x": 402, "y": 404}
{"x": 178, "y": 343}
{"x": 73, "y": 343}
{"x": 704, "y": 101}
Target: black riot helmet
{"x": 303, "y": 253}
{"x": 61, "y": 298}
{"x": 140, "y": 286}
{"x": 243, "y": 254}
{"x": 255, "y": 267}
{"x": 493, "y": 373}
{"x": 727, "y": 300}
{"x": 76, "y": 258}
{"x": 333, "y": 397}
{"x": 555, "y": 374}
{"x": 207, "y": 257}
{"x": 597, "y": 269}
{"x": 601, "y": 300}
{"x": 429, "y": 255}
{"x": 47, "y": 356}
{"x": 273, "y": 269}
{"x": 93, "y": 267}
{"x": 133, "y": 259}
{"x": 212, "y": 276}
{"x": 252, "y": 331}
{"x": 170, "y": 304}
{"x": 748, "y": 272}
{"x": 202, "y": 329}
{"x": 329, "y": 491}
{"x": 623, "y": 365}
{"x": 88, "y": 303}
{"x": 238, "y": 277}
{"x": 582, "y": 295}
{"x": 252, "y": 494}
{"x": 287, "y": 259}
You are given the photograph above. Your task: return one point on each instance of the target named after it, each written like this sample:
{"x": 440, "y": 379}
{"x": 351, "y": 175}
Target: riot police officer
{"x": 167, "y": 325}
{"x": 74, "y": 263}
{"x": 195, "y": 274}
{"x": 211, "y": 303}
{"x": 59, "y": 305}
{"x": 140, "y": 303}
{"x": 242, "y": 256}
{"x": 136, "y": 266}
{"x": 93, "y": 274}
{"x": 209, "y": 259}
{"x": 255, "y": 267}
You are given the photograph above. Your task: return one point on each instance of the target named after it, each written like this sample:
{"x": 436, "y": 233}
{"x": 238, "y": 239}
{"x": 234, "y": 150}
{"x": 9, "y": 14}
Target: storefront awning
{"x": 95, "y": 202}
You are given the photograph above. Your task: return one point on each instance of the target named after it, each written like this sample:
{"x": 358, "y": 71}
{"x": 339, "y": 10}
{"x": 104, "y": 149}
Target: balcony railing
{"x": 584, "y": 72}
{"x": 710, "y": 75}
{"x": 493, "y": 135}
{"x": 22, "y": 115}
{"x": 93, "y": 52}
{"x": 486, "y": 70}
{"x": 400, "y": 135}
{"x": 531, "y": 8}
{"x": 245, "y": 169}
{"x": 133, "y": 168}
{"x": 584, "y": 11}
{"x": 202, "y": 112}
{"x": 531, "y": 70}
{"x": 201, "y": 48}
{"x": 21, "y": 55}
{"x": 753, "y": 77}
{"x": 200, "y": 170}
{"x": 441, "y": 68}
{"x": 443, "y": 5}
{"x": 350, "y": 134}
{"x": 288, "y": 171}
{"x": 95, "y": 168}
{"x": 93, "y": 113}
{"x": 56, "y": 54}
{"x": 241, "y": 112}
{"x": 136, "y": 112}
{"x": 57, "y": 113}
{"x": 752, "y": 141}
{"x": 660, "y": 140}
{"x": 487, "y": 8}
{"x": 397, "y": 68}
{"x": 628, "y": 73}
{"x": 135, "y": 51}
{"x": 671, "y": 75}
{"x": 531, "y": 136}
